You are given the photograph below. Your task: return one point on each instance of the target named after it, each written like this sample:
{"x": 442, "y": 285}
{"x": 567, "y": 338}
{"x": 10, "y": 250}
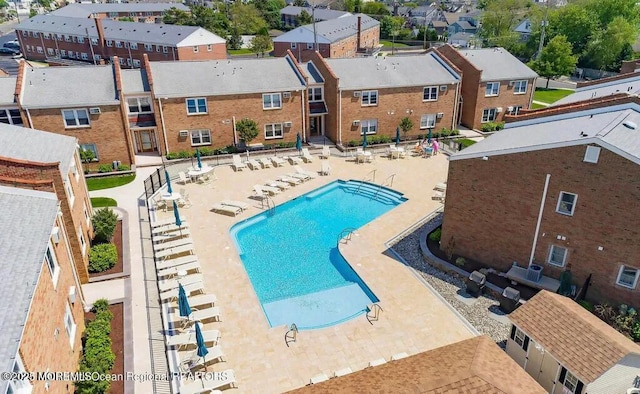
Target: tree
{"x": 104, "y": 225}
{"x": 389, "y": 25}
{"x": 605, "y": 11}
{"x": 208, "y": 18}
{"x": 175, "y": 16}
{"x": 246, "y": 18}
{"x": 500, "y": 18}
{"x": 574, "y": 22}
{"x": 32, "y": 12}
{"x": 299, "y": 3}
{"x": 87, "y": 155}
{"x": 555, "y": 60}
{"x": 3, "y": 4}
{"x": 374, "y": 8}
{"x": 406, "y": 125}
{"x": 606, "y": 45}
{"x": 247, "y": 130}
{"x": 304, "y": 18}
{"x": 261, "y": 44}
{"x": 270, "y": 11}
{"x": 235, "y": 40}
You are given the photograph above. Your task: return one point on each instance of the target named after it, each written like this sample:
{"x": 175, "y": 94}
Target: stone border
{"x": 126, "y": 258}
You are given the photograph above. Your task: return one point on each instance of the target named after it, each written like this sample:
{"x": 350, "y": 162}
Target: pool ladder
{"x": 271, "y": 205}
{"x": 291, "y": 335}
{"x": 389, "y": 179}
{"x": 345, "y": 234}
{"x": 373, "y": 313}
{"x": 366, "y": 179}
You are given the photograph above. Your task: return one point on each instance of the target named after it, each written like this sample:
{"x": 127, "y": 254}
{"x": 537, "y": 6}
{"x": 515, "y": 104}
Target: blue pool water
{"x": 292, "y": 259}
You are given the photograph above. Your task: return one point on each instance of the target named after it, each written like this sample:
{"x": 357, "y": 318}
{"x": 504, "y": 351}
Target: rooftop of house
{"x": 524, "y": 27}
{"x": 451, "y": 17}
{"x": 7, "y": 90}
{"x": 606, "y": 87}
{"x": 67, "y": 87}
{"x": 153, "y": 33}
{"x": 43, "y": 147}
{"x": 322, "y": 14}
{"x": 134, "y": 81}
{"x": 222, "y": 77}
{"x": 465, "y": 25}
{"x": 330, "y": 31}
{"x": 497, "y": 64}
{"x": 28, "y": 217}
{"x": 393, "y": 71}
{"x": 461, "y": 36}
{"x": 83, "y": 10}
{"x": 475, "y": 365}
{"x": 581, "y": 342}
{"x": 436, "y": 23}
{"x": 312, "y": 72}
{"x": 609, "y": 127}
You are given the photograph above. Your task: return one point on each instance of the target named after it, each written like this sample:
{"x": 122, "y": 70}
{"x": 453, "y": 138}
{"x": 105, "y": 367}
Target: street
{"x": 562, "y": 83}
{"x": 9, "y": 65}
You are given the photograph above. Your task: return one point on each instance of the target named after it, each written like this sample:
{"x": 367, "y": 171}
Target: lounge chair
{"x": 202, "y": 300}
{"x": 259, "y": 192}
{"x": 326, "y": 152}
{"x": 399, "y": 356}
{"x": 277, "y": 162}
{"x": 179, "y": 250}
{"x": 301, "y": 177}
{"x": 183, "y": 178}
{"x": 173, "y": 271}
{"x": 191, "y": 288}
{"x": 377, "y": 362}
{"x": 170, "y": 228}
{"x": 189, "y": 338}
{"x": 171, "y": 244}
{"x": 239, "y": 204}
{"x": 438, "y": 196}
{"x": 253, "y": 164}
{"x": 262, "y": 191}
{"x": 171, "y": 236}
{"x": 294, "y": 160}
{"x": 238, "y": 165}
{"x": 325, "y": 169}
{"x": 441, "y": 186}
{"x": 266, "y": 163}
{"x": 271, "y": 190}
{"x": 306, "y": 156}
{"x": 169, "y": 263}
{"x": 166, "y": 222}
{"x": 192, "y": 360}
{"x": 342, "y": 372}
{"x": 290, "y": 180}
{"x": 159, "y": 204}
{"x": 278, "y": 184}
{"x": 300, "y": 170}
{"x": 226, "y": 209}
{"x": 168, "y": 284}
{"x": 201, "y": 386}
{"x": 319, "y": 379}
{"x": 202, "y": 315}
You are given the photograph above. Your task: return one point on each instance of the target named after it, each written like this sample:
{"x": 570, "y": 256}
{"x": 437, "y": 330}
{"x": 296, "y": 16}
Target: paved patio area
{"x": 414, "y": 318}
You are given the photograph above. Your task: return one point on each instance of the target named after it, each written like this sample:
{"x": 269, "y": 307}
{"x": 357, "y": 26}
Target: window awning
{"x": 318, "y": 108}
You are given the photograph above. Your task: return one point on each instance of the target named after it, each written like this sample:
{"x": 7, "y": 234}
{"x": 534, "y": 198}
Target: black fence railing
{"x": 154, "y": 182}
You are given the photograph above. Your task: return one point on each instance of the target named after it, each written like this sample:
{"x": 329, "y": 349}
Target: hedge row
{"x": 188, "y": 154}
{"x": 97, "y": 356}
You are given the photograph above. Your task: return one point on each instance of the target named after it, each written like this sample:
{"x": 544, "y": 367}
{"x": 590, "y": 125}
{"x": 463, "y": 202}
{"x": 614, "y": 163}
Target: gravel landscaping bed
{"x": 451, "y": 288}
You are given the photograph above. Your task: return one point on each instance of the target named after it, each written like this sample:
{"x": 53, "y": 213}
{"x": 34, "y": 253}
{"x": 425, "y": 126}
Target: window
{"x": 570, "y": 383}
{"x": 139, "y": 105}
{"x": 567, "y": 203}
{"x": 557, "y": 255}
{"x": 136, "y": 63}
{"x": 92, "y": 148}
{"x": 493, "y": 88}
{"x": 75, "y": 118}
{"x": 72, "y": 197}
{"x": 592, "y": 154}
{"x": 271, "y": 101}
{"x": 113, "y": 14}
{"x": 165, "y": 49}
{"x": 133, "y": 45}
{"x": 19, "y": 385}
{"x": 516, "y": 109}
{"x": 488, "y": 115}
{"x": 148, "y": 47}
{"x": 94, "y": 41}
{"x": 10, "y": 116}
{"x": 84, "y": 56}
{"x": 368, "y": 126}
{"x": 209, "y": 47}
{"x": 86, "y": 214}
{"x": 24, "y": 33}
{"x": 82, "y": 242}
{"x": 196, "y": 106}
{"x": 97, "y": 57}
{"x": 315, "y": 94}
{"x": 628, "y": 277}
{"x": 122, "y": 61}
{"x": 200, "y": 137}
{"x": 118, "y": 44}
{"x": 70, "y": 325}
{"x": 39, "y": 49}
{"x": 109, "y": 43}
{"x": 28, "y": 48}
{"x": 430, "y": 93}
{"x": 52, "y": 263}
{"x": 50, "y": 51}
{"x": 428, "y": 121}
{"x": 520, "y": 87}
{"x": 158, "y": 48}
{"x": 309, "y": 46}
{"x": 63, "y": 53}
{"x": 195, "y": 49}
{"x": 520, "y": 338}
{"x": 46, "y": 36}
{"x": 369, "y": 97}
{"x": 293, "y": 45}
{"x": 80, "y": 40}
{"x": 273, "y": 130}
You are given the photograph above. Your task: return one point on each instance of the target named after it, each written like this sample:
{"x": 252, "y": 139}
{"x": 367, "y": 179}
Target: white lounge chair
{"x": 168, "y": 284}
{"x": 270, "y": 189}
{"x": 173, "y": 271}
{"x": 239, "y": 204}
{"x": 171, "y": 244}
{"x": 209, "y": 385}
{"x": 266, "y": 163}
{"x": 167, "y": 222}
{"x": 342, "y": 372}
{"x": 306, "y": 156}
{"x": 183, "y": 178}
{"x": 202, "y": 300}
{"x": 441, "y": 186}
{"x": 170, "y": 228}
{"x": 189, "y": 289}
{"x": 277, "y": 162}
{"x": 377, "y": 362}
{"x": 325, "y": 169}
{"x": 202, "y": 315}
{"x": 300, "y": 170}
{"x": 278, "y": 184}
{"x": 226, "y": 209}
{"x": 171, "y": 236}
{"x": 262, "y": 191}
{"x": 159, "y": 204}
{"x": 179, "y": 250}
{"x": 238, "y": 165}
{"x": 319, "y": 379}
{"x": 301, "y": 177}
{"x": 326, "y": 152}
{"x": 188, "y": 337}
{"x": 399, "y": 356}
{"x": 169, "y": 263}
{"x": 192, "y": 360}
{"x": 294, "y": 160}
{"x": 253, "y": 164}
{"x": 438, "y": 196}
{"x": 289, "y": 180}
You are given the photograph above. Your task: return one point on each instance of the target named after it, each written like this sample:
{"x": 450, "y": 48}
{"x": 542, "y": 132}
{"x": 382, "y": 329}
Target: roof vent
{"x": 630, "y": 125}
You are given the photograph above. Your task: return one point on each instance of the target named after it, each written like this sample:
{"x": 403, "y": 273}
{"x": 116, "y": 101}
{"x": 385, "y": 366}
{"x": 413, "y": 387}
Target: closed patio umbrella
{"x": 298, "y": 143}
{"x": 566, "y": 283}
{"x": 202, "y": 348}
{"x": 176, "y": 214}
{"x": 183, "y": 302}
{"x": 429, "y": 137}
{"x": 166, "y": 175}
{"x": 364, "y": 141}
{"x": 198, "y": 158}
{"x": 397, "y": 136}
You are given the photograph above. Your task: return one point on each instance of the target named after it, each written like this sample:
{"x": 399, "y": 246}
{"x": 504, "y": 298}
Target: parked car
{"x": 12, "y": 44}
{"x": 8, "y": 51}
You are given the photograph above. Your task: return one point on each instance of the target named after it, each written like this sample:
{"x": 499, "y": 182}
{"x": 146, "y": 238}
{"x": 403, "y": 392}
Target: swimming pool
{"x": 291, "y": 255}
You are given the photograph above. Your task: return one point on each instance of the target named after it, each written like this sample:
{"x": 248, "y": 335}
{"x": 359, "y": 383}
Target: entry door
{"x": 145, "y": 140}
{"x": 315, "y": 126}
{"x": 548, "y": 372}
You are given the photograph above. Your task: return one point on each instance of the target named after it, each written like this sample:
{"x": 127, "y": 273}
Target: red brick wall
{"x": 300, "y": 51}
{"x": 330, "y": 97}
{"x": 218, "y": 51}
{"x": 505, "y": 98}
{"x": 46, "y": 315}
{"x": 470, "y": 83}
{"x": 492, "y": 208}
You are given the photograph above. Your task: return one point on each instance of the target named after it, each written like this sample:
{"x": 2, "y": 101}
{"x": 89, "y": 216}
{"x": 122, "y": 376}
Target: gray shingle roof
{"x": 38, "y": 146}
{"x": 171, "y": 35}
{"x": 85, "y": 10}
{"x": 322, "y": 14}
{"x": 627, "y": 85}
{"x": 7, "y": 90}
{"x": 604, "y": 128}
{"x": 394, "y": 71}
{"x": 465, "y": 25}
{"x": 134, "y": 81}
{"x": 220, "y": 77}
{"x": 329, "y": 31}
{"x": 64, "y": 87}
{"x": 497, "y": 64}
{"x": 27, "y": 219}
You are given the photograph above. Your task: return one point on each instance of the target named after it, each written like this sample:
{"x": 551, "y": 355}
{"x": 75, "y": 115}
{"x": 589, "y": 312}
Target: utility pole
{"x": 542, "y": 30}
{"x": 315, "y": 35}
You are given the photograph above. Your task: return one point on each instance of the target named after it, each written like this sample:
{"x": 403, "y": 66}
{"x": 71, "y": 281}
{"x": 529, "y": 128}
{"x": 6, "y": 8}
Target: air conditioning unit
{"x": 499, "y": 109}
{"x": 288, "y": 124}
{"x": 443, "y": 88}
{"x": 184, "y": 133}
{"x": 439, "y": 115}
{"x": 286, "y": 94}
{"x": 55, "y": 235}
{"x": 356, "y": 123}
{"x": 356, "y": 94}
{"x": 94, "y": 111}
{"x": 511, "y": 83}
{"x": 509, "y": 109}
{"x": 72, "y": 294}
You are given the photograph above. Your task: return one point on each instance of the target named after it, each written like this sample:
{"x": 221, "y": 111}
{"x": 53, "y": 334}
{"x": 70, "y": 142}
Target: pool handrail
{"x": 345, "y": 233}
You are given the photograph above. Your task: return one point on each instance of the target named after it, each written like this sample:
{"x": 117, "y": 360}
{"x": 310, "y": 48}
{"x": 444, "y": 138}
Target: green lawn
{"x": 537, "y": 106}
{"x": 101, "y": 202}
{"x": 550, "y": 96}
{"x": 389, "y": 44}
{"x": 241, "y": 51}
{"x": 109, "y": 182}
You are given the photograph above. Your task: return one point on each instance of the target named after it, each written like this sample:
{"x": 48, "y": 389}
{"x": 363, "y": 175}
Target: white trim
{"x": 573, "y": 205}
{"x": 273, "y": 130}
{"x": 201, "y": 133}
{"x": 431, "y": 88}
{"x": 369, "y": 93}
{"x": 635, "y": 280}
{"x": 71, "y": 330}
{"x": 493, "y": 83}
{"x": 526, "y": 86}
{"x": 369, "y": 124}
{"x": 592, "y": 154}
{"x": 271, "y": 97}
{"x": 564, "y": 256}
{"x": 55, "y": 272}
{"x": 196, "y": 100}
{"x": 76, "y": 118}
{"x": 137, "y": 98}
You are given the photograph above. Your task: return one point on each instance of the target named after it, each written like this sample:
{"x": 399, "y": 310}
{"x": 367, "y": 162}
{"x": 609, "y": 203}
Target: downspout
{"x": 71, "y": 262}
{"x": 535, "y": 236}
{"x": 456, "y": 107}
{"x": 340, "y": 116}
{"x": 164, "y": 130}
{"x": 235, "y": 135}
{"x": 304, "y": 123}
{"x": 29, "y": 117}
{"x": 533, "y": 88}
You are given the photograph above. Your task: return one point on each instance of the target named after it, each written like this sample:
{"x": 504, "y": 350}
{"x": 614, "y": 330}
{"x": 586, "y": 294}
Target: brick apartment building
{"x": 50, "y": 162}
{"x": 289, "y": 15}
{"x": 337, "y": 38}
{"x": 558, "y": 188}
{"x": 42, "y": 316}
{"x": 494, "y": 83}
{"x": 601, "y": 88}
{"x": 371, "y": 95}
{"x": 139, "y": 12}
{"x": 94, "y": 40}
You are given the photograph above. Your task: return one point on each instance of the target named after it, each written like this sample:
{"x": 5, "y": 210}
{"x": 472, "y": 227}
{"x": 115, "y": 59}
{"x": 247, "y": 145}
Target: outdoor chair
{"x": 300, "y": 170}
{"x": 238, "y": 165}
{"x": 306, "y": 156}
{"x": 325, "y": 169}
{"x": 183, "y": 178}
{"x": 277, "y": 162}
{"x": 326, "y": 152}
{"x": 253, "y": 164}
{"x": 238, "y": 204}
{"x": 193, "y": 361}
{"x": 226, "y": 209}
{"x": 201, "y": 386}
{"x": 188, "y": 338}
{"x": 266, "y": 163}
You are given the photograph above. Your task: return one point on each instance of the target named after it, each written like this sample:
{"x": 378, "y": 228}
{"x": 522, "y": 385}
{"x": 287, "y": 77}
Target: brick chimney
{"x": 358, "y": 43}
{"x": 100, "y": 31}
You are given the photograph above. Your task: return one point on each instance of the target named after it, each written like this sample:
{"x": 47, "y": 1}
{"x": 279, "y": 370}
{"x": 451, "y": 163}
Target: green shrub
{"x": 436, "y": 235}
{"x": 97, "y": 356}
{"x": 104, "y": 225}
{"x": 87, "y": 155}
{"x": 635, "y": 331}
{"x": 487, "y": 127}
{"x": 100, "y": 305}
{"x": 206, "y": 151}
{"x": 586, "y": 305}
{"x": 105, "y": 168}
{"x": 461, "y": 261}
{"x": 353, "y": 143}
{"x": 499, "y": 126}
{"x": 124, "y": 167}
{"x": 102, "y": 257}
